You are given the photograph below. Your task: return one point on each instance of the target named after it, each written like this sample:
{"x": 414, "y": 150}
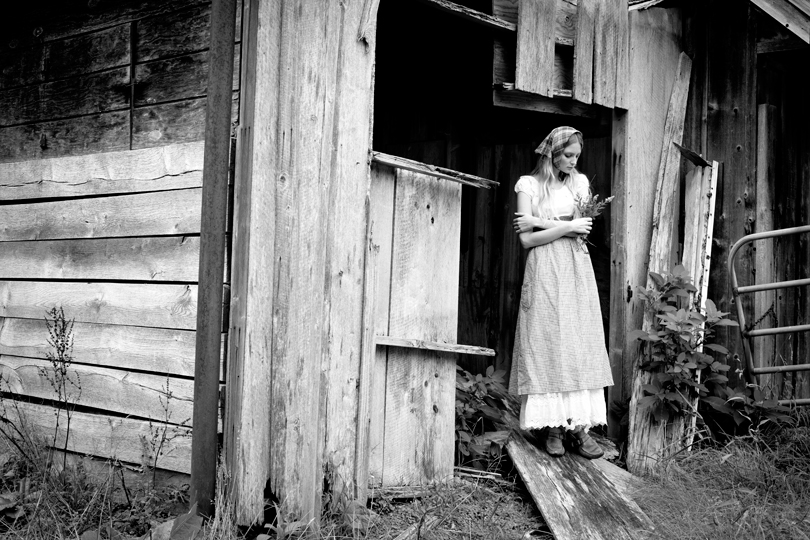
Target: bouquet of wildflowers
{"x": 589, "y": 206}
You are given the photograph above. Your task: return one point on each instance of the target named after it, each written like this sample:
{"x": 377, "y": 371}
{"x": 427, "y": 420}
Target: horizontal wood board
{"x": 131, "y": 304}
{"x": 155, "y": 169}
{"x": 134, "y": 394}
{"x": 124, "y": 439}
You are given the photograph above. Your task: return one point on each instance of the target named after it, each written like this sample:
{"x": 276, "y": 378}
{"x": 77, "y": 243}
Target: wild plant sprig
{"x": 589, "y": 206}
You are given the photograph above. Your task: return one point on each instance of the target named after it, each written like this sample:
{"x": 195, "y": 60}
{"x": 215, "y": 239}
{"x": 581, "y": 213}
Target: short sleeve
{"x": 582, "y": 187}
{"x": 526, "y": 185}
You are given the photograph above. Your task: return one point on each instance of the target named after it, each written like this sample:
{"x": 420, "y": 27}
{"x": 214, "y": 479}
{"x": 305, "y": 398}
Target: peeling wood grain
{"x": 155, "y": 169}
{"x": 133, "y": 304}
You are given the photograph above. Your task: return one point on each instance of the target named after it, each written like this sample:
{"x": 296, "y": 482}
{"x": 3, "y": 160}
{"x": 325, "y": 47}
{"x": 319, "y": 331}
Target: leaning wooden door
{"x": 416, "y": 226}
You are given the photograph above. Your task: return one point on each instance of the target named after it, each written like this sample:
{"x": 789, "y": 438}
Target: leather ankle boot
{"x": 585, "y": 445}
{"x": 554, "y": 442}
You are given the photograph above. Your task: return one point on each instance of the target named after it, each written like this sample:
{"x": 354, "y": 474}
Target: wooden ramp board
{"x": 577, "y": 499}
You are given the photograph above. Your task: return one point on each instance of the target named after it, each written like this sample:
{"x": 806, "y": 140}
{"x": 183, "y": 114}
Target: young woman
{"x": 560, "y": 366}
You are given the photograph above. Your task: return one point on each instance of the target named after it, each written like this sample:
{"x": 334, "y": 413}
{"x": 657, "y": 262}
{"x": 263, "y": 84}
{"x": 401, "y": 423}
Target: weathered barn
{"x": 356, "y": 280}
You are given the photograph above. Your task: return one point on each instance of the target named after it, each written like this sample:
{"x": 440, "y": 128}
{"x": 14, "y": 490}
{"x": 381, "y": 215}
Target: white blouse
{"x": 562, "y": 200}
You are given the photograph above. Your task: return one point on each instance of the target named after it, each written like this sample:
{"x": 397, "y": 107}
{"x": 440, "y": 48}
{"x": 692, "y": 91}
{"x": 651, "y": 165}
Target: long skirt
{"x": 560, "y": 365}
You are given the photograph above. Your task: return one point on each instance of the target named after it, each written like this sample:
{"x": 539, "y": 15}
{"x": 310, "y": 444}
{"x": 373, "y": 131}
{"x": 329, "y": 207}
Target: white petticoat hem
{"x": 570, "y": 410}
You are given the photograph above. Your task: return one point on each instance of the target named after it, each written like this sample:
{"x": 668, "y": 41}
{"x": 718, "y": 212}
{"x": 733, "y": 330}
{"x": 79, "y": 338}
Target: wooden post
{"x": 212, "y": 255}
{"x": 637, "y": 140}
{"x": 299, "y": 238}
{"x": 649, "y": 440}
{"x": 764, "y": 347}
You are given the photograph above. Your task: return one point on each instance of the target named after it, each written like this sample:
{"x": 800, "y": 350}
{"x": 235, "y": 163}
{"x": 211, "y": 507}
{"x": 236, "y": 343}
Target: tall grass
{"x": 755, "y": 488}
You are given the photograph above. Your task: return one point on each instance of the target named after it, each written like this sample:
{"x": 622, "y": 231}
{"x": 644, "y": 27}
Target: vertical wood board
{"x": 604, "y": 55}
{"x": 535, "y": 47}
{"x": 584, "y": 50}
{"x": 382, "y": 190}
{"x": 767, "y": 130}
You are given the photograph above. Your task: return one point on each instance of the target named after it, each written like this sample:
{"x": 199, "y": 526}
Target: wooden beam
{"x": 432, "y": 345}
{"x": 472, "y": 15}
{"x": 534, "y": 70}
{"x": 649, "y": 440}
{"x": 249, "y": 395}
{"x": 787, "y": 14}
{"x": 214, "y": 214}
{"x": 515, "y": 99}
{"x": 431, "y": 170}
{"x": 767, "y": 131}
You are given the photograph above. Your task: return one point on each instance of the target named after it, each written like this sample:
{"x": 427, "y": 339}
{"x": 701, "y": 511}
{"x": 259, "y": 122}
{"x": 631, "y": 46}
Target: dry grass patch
{"x": 755, "y": 487}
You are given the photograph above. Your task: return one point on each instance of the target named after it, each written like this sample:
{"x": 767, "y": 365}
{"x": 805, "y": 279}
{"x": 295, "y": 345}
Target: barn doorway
{"x": 433, "y": 103}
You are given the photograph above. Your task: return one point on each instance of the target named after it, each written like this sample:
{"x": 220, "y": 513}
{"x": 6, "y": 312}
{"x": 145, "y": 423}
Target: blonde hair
{"x": 544, "y": 173}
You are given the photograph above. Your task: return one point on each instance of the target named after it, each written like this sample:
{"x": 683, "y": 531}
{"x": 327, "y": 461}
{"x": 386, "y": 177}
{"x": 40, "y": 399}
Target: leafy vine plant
{"x": 677, "y": 348}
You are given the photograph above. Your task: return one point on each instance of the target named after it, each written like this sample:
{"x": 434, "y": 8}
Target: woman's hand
{"x": 581, "y": 225}
{"x": 524, "y": 222}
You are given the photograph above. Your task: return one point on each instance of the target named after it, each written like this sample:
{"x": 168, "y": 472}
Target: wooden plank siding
{"x": 87, "y": 86}
{"x": 101, "y": 125}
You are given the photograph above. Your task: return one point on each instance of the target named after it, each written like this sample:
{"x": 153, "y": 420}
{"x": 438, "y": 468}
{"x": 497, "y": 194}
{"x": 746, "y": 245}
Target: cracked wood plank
{"x": 172, "y": 258}
{"x": 144, "y": 214}
{"x": 154, "y": 350}
{"x": 140, "y": 395}
{"x": 130, "y": 171}
{"x": 575, "y": 496}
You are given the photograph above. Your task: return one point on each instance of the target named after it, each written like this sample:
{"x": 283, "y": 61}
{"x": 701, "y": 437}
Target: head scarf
{"x": 555, "y": 142}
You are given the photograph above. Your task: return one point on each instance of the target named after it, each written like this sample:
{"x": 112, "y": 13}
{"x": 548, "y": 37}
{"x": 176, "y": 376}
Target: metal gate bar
{"x": 752, "y": 372}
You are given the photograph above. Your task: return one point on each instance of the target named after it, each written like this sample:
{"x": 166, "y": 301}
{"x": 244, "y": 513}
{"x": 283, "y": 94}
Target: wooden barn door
{"x": 414, "y": 233}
